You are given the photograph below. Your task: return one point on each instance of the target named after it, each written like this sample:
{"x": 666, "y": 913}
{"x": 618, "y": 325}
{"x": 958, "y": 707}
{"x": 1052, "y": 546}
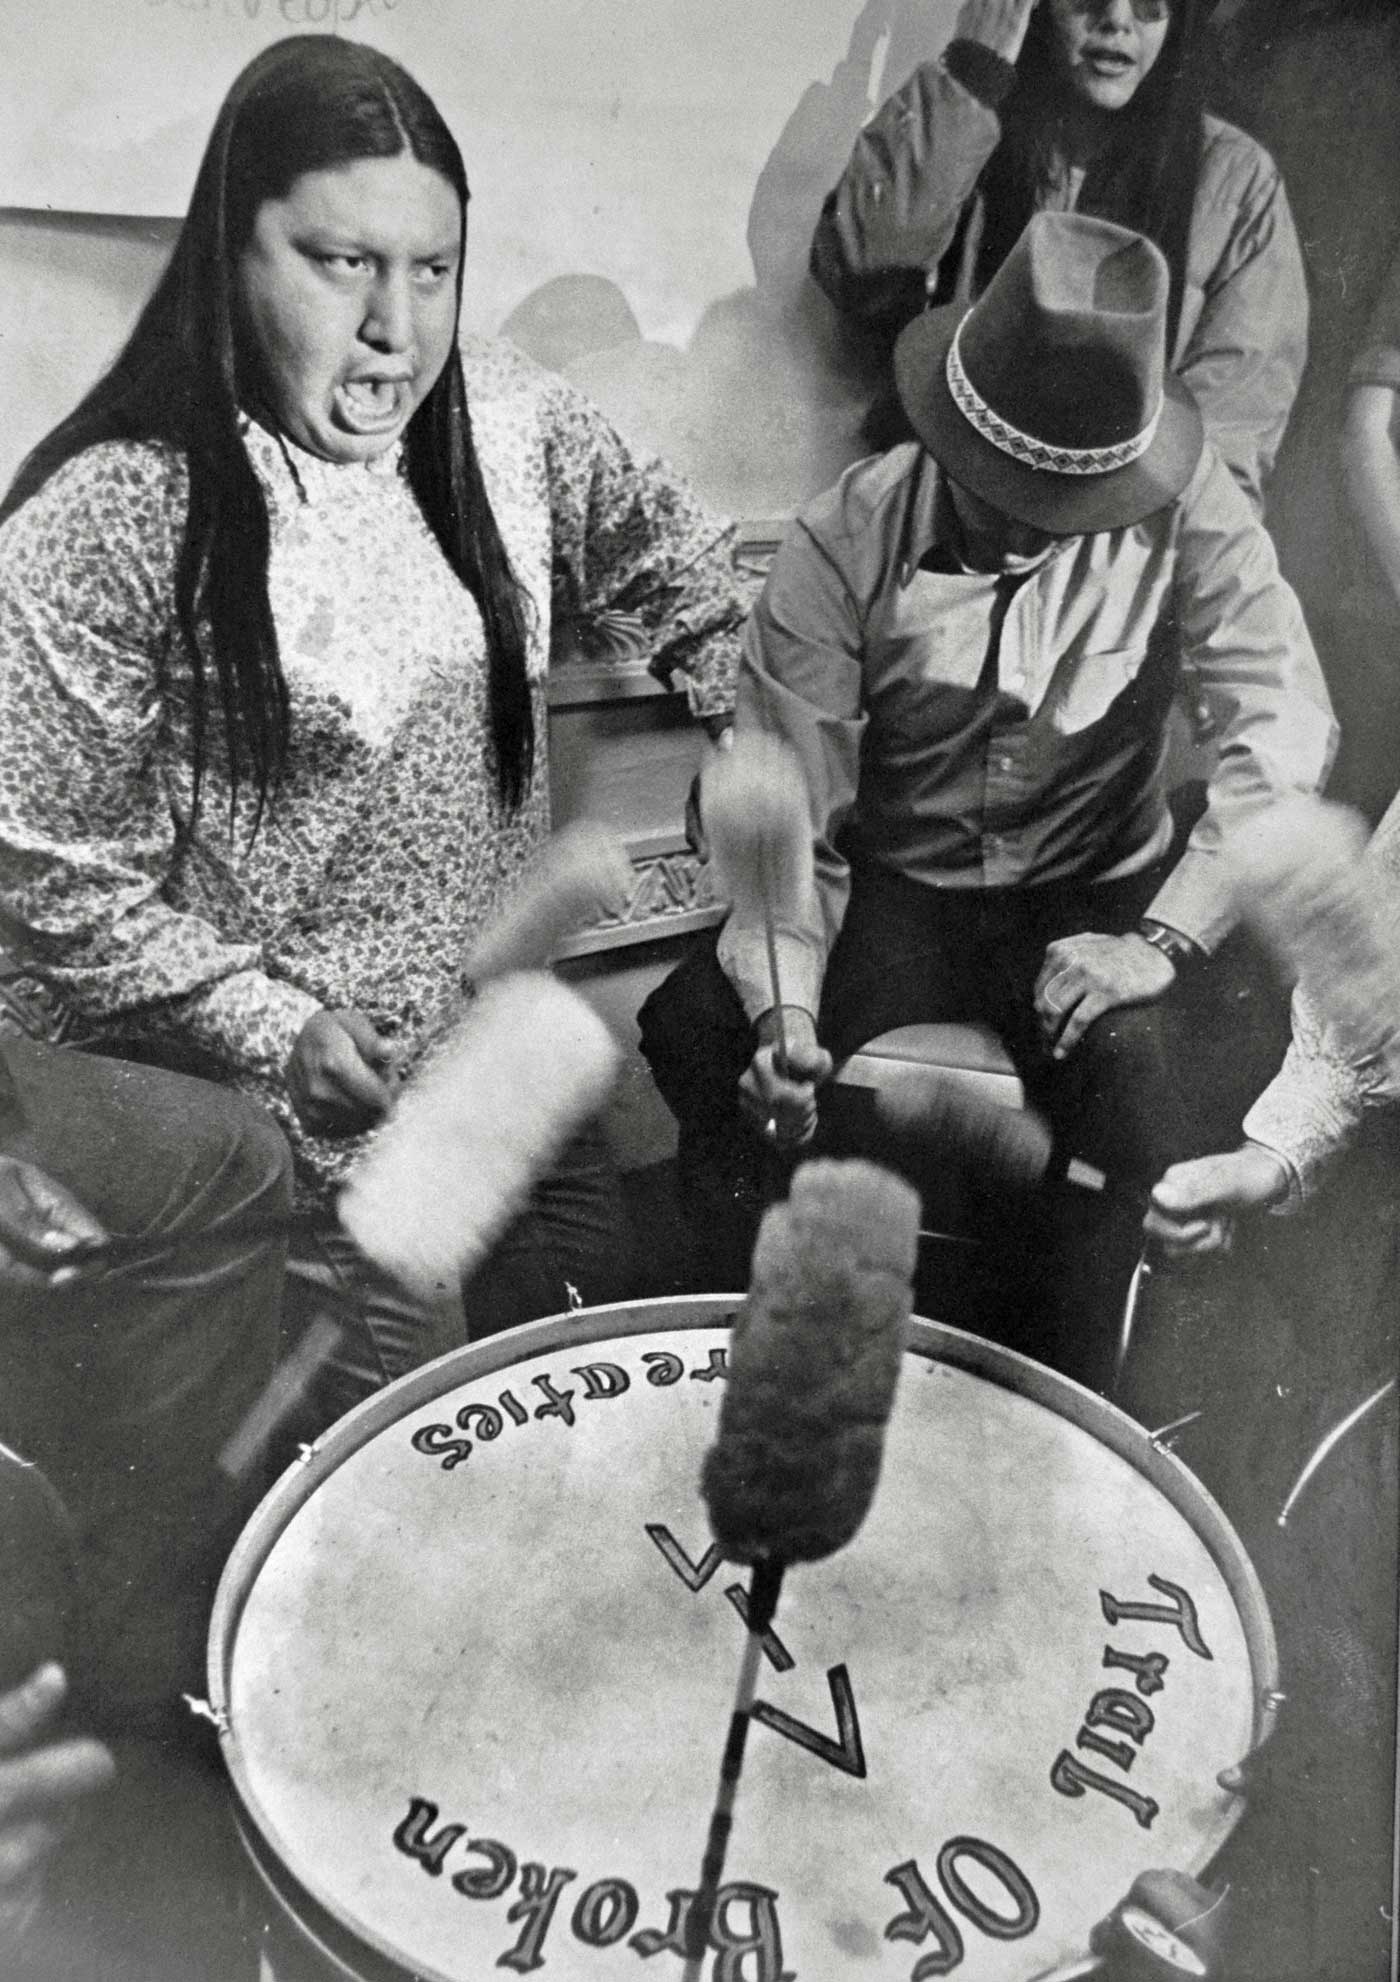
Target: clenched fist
{"x": 779, "y": 1096}
{"x": 998, "y": 24}
{"x": 1194, "y": 1206}
{"x": 339, "y": 1074}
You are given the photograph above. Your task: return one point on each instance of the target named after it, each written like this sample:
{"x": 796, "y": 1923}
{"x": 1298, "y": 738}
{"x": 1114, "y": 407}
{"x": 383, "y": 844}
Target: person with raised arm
{"x": 1098, "y": 106}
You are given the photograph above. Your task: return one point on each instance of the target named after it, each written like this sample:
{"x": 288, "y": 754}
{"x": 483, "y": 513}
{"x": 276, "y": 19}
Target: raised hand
{"x": 998, "y": 24}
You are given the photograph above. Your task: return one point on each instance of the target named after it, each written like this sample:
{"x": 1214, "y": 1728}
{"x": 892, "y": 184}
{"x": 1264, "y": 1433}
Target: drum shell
{"x": 602, "y": 1337}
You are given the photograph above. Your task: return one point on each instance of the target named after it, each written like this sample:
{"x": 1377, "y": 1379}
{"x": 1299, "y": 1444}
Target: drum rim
{"x": 935, "y": 1341}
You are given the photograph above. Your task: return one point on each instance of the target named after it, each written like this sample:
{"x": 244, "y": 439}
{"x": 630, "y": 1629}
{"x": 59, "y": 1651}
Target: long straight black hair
{"x": 305, "y": 104}
{"x": 1146, "y": 175}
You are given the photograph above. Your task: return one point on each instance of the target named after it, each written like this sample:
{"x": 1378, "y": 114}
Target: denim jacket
{"x": 902, "y": 227}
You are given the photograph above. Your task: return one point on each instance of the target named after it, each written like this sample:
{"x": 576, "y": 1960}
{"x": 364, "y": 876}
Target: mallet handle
{"x": 764, "y": 1591}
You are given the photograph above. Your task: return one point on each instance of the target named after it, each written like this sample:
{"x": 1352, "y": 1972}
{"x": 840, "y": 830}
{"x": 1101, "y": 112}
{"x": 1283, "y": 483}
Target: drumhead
{"x": 474, "y": 1662}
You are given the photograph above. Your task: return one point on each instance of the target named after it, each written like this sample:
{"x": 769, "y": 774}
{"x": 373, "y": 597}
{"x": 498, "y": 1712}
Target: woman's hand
{"x": 40, "y": 1784}
{"x": 40, "y": 1223}
{"x": 779, "y": 1096}
{"x": 998, "y": 24}
{"x": 1195, "y": 1204}
{"x": 338, "y": 1074}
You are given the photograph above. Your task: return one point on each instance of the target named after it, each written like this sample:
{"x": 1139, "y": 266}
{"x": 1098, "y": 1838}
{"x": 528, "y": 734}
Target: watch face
{"x": 1180, "y": 949}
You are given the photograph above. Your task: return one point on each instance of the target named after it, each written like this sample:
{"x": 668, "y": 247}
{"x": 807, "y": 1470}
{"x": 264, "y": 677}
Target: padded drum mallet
{"x": 814, "y": 1360}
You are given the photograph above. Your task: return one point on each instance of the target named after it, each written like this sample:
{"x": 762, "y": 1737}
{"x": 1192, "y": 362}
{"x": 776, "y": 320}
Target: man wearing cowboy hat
{"x": 972, "y": 643}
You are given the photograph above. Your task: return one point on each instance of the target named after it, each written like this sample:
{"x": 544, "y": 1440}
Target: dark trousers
{"x": 125, "y": 1390}
{"x": 1147, "y": 1086}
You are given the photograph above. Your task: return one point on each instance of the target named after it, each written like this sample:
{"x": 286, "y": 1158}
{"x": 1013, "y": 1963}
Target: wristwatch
{"x": 1178, "y": 949}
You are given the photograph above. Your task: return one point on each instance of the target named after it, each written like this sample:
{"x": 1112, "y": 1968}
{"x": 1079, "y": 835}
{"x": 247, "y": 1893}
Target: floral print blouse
{"x": 386, "y": 846}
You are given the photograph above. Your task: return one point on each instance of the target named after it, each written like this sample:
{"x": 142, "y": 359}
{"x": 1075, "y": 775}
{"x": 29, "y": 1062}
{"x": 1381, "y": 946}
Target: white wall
{"x": 671, "y": 153}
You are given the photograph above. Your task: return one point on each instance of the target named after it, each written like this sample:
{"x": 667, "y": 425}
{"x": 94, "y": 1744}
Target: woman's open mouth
{"x": 371, "y": 405}
{"x": 1107, "y": 62}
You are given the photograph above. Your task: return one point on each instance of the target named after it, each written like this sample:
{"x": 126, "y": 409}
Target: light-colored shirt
{"x": 387, "y": 846}
{"x": 1314, "y": 1105}
{"x": 1378, "y": 360}
{"x": 969, "y": 731}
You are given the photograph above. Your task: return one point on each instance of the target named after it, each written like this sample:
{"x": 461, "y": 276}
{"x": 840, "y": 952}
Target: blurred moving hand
{"x": 998, "y": 24}
{"x": 42, "y": 1783}
{"x": 40, "y": 1222}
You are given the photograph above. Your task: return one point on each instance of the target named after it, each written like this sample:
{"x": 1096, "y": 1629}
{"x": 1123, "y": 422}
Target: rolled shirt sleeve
{"x": 1378, "y": 360}
{"x": 1307, "y": 1115}
{"x": 1243, "y": 631}
{"x": 87, "y": 838}
{"x": 629, "y": 536}
{"x": 801, "y": 679}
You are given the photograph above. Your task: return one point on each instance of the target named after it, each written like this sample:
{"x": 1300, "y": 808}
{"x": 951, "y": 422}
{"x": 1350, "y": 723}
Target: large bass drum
{"x": 473, "y": 1662}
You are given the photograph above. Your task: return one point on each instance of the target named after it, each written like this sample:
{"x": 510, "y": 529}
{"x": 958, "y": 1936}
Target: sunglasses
{"x": 1143, "y": 10}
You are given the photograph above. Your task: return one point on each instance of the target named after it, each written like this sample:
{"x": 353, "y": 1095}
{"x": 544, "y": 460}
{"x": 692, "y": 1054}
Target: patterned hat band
{"x": 1025, "y": 447}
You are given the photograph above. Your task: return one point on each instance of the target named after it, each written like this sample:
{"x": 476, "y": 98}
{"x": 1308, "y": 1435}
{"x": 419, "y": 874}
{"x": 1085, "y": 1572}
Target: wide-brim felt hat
{"x": 1051, "y": 399}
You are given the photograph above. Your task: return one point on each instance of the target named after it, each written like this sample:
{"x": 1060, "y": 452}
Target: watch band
{"x": 1178, "y": 949}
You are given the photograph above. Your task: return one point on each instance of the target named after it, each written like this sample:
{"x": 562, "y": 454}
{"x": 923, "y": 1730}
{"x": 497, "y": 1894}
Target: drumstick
{"x": 814, "y": 1360}
{"x": 456, "y": 1159}
{"x": 1302, "y": 881}
{"x": 765, "y": 1587}
{"x": 484, "y": 1116}
{"x": 1141, "y": 1272}
{"x": 279, "y": 1397}
{"x": 1330, "y": 1442}
{"x": 934, "y": 1117}
{"x": 933, "y": 1114}
{"x": 451, "y": 1112}
{"x": 441, "y": 1178}
{"x": 578, "y": 876}
{"x": 754, "y": 809}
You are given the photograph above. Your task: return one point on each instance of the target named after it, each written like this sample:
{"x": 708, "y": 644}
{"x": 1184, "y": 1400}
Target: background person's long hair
{"x": 1147, "y": 173}
{"x": 307, "y": 103}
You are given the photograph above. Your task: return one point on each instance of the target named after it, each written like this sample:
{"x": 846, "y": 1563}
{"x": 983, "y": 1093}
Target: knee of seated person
{"x": 1132, "y": 1041}
{"x": 265, "y": 1159}
{"x": 243, "y": 1158}
{"x": 1123, "y": 1089}
{"x": 1127, "y": 1069}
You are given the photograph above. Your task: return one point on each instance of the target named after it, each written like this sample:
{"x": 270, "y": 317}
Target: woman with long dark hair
{"x": 1098, "y": 105}
{"x": 275, "y": 608}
